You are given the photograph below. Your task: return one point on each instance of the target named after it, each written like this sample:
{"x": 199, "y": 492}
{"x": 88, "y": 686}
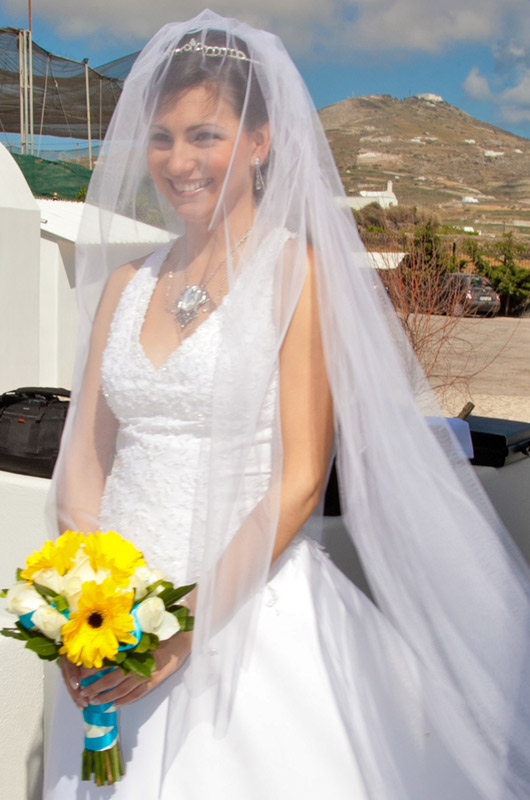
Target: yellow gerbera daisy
{"x": 102, "y": 622}
{"x": 110, "y": 551}
{"x": 57, "y": 555}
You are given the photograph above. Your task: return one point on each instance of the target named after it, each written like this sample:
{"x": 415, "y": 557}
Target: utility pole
{"x": 88, "y": 117}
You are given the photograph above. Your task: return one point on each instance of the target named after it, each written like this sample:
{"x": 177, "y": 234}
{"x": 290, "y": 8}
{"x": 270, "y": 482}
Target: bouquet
{"x": 92, "y": 598}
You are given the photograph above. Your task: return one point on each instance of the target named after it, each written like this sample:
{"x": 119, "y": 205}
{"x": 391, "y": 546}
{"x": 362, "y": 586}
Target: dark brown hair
{"x": 225, "y": 75}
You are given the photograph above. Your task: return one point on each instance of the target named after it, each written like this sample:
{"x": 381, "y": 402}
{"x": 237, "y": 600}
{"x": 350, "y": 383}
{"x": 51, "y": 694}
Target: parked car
{"x": 468, "y": 294}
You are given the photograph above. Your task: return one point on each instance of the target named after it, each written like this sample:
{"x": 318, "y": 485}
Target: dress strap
{"x": 132, "y": 305}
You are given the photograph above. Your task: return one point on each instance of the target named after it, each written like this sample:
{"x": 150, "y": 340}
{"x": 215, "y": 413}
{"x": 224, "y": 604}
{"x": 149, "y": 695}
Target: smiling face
{"x": 194, "y": 139}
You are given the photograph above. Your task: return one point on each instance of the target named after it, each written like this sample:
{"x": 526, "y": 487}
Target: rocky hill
{"x": 437, "y": 156}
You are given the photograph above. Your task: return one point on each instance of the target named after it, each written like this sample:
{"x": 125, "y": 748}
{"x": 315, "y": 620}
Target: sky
{"x": 474, "y": 53}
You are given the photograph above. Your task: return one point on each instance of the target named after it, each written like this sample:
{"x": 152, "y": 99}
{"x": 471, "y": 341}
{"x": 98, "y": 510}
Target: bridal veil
{"x": 443, "y": 571}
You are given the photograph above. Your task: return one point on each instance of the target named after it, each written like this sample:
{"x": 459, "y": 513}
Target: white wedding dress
{"x": 297, "y": 731}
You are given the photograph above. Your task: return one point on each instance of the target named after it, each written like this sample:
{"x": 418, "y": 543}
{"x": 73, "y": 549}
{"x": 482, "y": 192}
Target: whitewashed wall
{"x": 22, "y": 686}
{"x": 37, "y": 333}
{"x": 57, "y": 312}
{"x": 19, "y": 277}
{"x": 38, "y": 311}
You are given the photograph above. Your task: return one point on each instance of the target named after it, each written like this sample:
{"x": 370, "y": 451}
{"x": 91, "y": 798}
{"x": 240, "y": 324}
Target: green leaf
{"x": 187, "y": 625}
{"x": 57, "y": 600}
{"x": 154, "y": 586}
{"x": 144, "y": 644}
{"x": 12, "y": 633}
{"x": 43, "y": 647}
{"x": 24, "y": 632}
{"x": 142, "y": 664}
{"x": 51, "y": 657}
{"x": 184, "y": 618}
{"x": 171, "y": 596}
{"x": 120, "y": 656}
{"x": 19, "y": 574}
{"x": 45, "y": 592}
{"x": 107, "y": 662}
{"x": 60, "y": 602}
{"x": 3, "y": 593}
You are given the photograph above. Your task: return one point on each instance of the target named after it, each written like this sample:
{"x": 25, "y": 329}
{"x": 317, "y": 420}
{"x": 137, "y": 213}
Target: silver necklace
{"x": 185, "y": 307}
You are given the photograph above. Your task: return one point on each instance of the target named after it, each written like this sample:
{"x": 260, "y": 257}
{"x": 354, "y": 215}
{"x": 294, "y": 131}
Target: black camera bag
{"x": 31, "y": 424}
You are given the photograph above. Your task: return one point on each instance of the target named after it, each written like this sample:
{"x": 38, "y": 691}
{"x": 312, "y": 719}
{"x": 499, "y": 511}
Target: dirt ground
{"x": 485, "y": 361}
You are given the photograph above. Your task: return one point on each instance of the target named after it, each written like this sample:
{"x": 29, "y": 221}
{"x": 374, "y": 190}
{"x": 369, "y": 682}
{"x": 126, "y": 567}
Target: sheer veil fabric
{"x": 443, "y": 571}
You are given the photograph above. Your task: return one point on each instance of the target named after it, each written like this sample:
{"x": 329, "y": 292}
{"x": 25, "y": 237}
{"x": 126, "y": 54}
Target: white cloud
{"x": 477, "y": 86}
{"x": 135, "y": 21}
{"x": 508, "y": 88}
{"x": 337, "y": 29}
{"x": 425, "y": 25}
{"x": 512, "y": 102}
{"x": 331, "y": 26}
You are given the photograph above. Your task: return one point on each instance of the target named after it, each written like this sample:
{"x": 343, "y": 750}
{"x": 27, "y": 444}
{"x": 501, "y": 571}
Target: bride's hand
{"x": 122, "y": 689}
{"x": 72, "y": 677}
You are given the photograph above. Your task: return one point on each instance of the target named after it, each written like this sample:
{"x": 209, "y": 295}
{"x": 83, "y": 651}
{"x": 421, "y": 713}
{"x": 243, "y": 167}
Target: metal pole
{"x": 30, "y": 73}
{"x": 48, "y": 57}
{"x": 88, "y": 121}
{"x": 22, "y": 83}
{"x": 29, "y": 16}
{"x": 26, "y": 92}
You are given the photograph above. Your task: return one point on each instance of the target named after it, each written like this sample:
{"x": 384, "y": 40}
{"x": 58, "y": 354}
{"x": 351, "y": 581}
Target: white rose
{"x": 153, "y": 618}
{"x": 81, "y": 568}
{"x": 72, "y": 591}
{"x": 144, "y": 577}
{"x": 22, "y": 598}
{"x": 102, "y": 574}
{"x": 49, "y": 621}
{"x": 49, "y": 578}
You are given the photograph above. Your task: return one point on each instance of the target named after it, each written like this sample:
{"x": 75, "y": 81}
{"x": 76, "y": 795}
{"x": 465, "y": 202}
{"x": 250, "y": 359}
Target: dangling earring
{"x": 258, "y": 177}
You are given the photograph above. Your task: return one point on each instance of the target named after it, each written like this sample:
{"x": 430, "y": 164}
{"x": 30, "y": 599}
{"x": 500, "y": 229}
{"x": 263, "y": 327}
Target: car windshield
{"x": 480, "y": 282}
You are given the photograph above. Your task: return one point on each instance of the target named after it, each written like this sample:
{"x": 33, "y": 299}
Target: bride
{"x": 216, "y": 378}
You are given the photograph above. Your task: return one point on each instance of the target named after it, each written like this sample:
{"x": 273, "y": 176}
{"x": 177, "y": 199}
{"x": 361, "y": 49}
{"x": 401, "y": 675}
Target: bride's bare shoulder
{"x": 116, "y": 283}
{"x": 120, "y": 277}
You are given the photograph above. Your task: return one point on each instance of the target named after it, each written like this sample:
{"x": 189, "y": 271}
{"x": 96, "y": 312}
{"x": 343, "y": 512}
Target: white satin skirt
{"x": 299, "y": 728}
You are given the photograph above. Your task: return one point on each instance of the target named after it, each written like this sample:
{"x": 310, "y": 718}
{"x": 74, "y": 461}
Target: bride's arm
{"x": 88, "y": 457}
{"x": 306, "y": 410}
{"x": 89, "y": 452}
{"x": 307, "y": 432}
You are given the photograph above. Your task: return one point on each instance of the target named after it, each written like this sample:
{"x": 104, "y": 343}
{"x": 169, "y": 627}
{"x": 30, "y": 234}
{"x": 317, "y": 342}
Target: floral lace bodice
{"x": 155, "y": 494}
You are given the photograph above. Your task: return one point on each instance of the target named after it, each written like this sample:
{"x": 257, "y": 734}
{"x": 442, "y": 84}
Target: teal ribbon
{"x": 101, "y": 715}
{"x": 26, "y": 620}
{"x": 104, "y": 714}
{"x": 136, "y": 631}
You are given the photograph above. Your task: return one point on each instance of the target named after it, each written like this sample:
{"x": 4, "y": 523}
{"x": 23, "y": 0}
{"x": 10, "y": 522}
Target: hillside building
{"x": 386, "y": 199}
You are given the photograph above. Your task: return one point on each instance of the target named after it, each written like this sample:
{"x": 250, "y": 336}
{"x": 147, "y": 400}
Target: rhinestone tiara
{"x": 212, "y": 51}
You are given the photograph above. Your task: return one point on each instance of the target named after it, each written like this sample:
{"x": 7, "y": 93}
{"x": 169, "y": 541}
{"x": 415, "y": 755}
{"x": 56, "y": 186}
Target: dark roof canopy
{"x": 60, "y": 105}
